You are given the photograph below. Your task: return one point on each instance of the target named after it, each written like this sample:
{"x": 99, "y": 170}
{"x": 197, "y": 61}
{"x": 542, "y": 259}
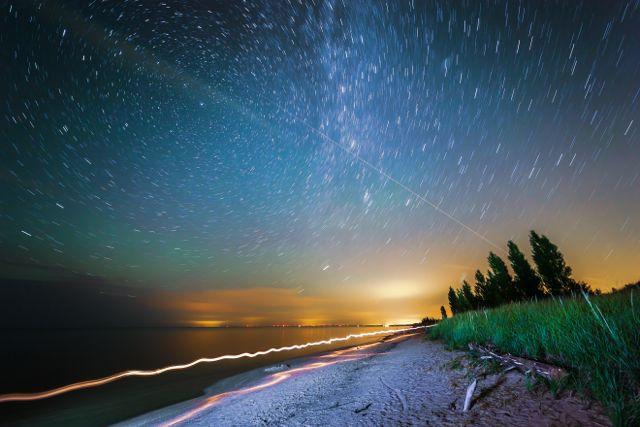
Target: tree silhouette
{"x": 527, "y": 283}
{"x": 469, "y": 297}
{"x": 480, "y": 289}
{"x": 443, "y": 312}
{"x": 453, "y": 301}
{"x": 555, "y": 274}
{"x": 463, "y": 304}
{"x": 497, "y": 287}
{"x": 499, "y": 284}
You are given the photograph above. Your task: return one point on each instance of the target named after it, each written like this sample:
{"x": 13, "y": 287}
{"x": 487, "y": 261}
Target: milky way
{"x": 168, "y": 144}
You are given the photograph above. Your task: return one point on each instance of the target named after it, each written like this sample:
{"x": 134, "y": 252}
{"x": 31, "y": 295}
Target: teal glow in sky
{"x": 167, "y": 147}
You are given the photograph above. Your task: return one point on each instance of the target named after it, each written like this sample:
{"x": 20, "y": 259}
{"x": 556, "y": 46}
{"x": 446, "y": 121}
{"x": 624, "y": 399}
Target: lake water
{"x": 41, "y": 360}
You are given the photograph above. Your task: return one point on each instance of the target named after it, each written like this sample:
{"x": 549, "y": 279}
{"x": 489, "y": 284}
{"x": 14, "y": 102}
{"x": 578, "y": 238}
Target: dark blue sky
{"x": 172, "y": 146}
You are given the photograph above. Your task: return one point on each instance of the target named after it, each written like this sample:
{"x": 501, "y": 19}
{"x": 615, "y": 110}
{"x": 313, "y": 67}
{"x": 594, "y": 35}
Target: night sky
{"x": 176, "y": 149}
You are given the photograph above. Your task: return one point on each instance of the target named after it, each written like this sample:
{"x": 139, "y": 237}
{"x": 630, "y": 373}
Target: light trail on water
{"x": 25, "y": 397}
{"x": 335, "y": 357}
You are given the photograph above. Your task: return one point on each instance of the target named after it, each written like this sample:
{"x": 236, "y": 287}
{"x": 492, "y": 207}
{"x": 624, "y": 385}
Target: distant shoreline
{"x": 110, "y": 328}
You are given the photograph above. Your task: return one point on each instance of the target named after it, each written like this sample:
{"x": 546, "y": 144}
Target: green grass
{"x": 597, "y": 339}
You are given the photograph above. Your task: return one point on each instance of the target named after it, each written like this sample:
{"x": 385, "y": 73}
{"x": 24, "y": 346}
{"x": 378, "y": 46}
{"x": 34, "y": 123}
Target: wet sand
{"x": 400, "y": 381}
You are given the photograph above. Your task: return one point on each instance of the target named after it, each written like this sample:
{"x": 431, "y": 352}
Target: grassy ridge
{"x": 596, "y": 338}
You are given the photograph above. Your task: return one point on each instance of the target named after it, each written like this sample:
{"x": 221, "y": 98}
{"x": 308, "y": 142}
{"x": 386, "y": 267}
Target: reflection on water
{"x": 39, "y": 360}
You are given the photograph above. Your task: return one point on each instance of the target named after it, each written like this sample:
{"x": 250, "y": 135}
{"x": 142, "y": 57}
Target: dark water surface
{"x": 41, "y": 360}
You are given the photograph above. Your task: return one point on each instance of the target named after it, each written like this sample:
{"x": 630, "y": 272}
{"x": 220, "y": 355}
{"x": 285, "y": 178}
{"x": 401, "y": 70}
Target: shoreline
{"x": 248, "y": 378}
{"x": 131, "y": 397}
{"x": 405, "y": 380}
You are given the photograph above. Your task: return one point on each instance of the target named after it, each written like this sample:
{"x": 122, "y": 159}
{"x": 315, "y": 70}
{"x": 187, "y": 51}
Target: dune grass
{"x": 596, "y": 338}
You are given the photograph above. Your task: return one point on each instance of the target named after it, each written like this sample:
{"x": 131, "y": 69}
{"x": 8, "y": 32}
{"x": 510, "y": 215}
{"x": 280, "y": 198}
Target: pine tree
{"x": 463, "y": 304}
{"x": 443, "y": 312}
{"x": 527, "y": 283}
{"x": 480, "y": 290}
{"x": 453, "y": 301}
{"x": 469, "y": 296}
{"x": 499, "y": 282}
{"x": 555, "y": 274}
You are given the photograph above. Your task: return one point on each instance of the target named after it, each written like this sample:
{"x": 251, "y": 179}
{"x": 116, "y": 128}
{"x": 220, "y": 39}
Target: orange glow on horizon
{"x": 207, "y": 323}
{"x": 389, "y": 302}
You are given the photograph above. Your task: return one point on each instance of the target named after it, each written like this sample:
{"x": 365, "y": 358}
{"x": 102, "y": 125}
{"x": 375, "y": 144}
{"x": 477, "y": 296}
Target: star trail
{"x": 219, "y": 148}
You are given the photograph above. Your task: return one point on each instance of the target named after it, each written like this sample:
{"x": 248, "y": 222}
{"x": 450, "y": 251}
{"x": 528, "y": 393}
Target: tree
{"x": 499, "y": 284}
{"x": 463, "y": 303}
{"x": 428, "y": 321}
{"x": 555, "y": 274}
{"x": 443, "y": 312}
{"x": 586, "y": 288}
{"x": 469, "y": 296}
{"x": 480, "y": 289}
{"x": 453, "y": 301}
{"x": 527, "y": 283}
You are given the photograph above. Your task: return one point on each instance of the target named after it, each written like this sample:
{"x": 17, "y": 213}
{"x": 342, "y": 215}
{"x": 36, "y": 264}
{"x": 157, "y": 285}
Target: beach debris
{"x": 523, "y": 365}
{"x": 338, "y": 405}
{"x": 397, "y": 392}
{"x": 277, "y": 368}
{"x": 364, "y": 408}
{"x": 467, "y": 398}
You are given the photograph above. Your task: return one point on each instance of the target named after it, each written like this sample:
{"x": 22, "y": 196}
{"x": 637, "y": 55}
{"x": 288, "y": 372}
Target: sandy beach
{"x": 403, "y": 380}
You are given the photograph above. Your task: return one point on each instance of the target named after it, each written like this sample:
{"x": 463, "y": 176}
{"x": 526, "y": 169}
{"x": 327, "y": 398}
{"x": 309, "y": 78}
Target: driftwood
{"x": 525, "y": 366}
{"x": 467, "y": 398}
